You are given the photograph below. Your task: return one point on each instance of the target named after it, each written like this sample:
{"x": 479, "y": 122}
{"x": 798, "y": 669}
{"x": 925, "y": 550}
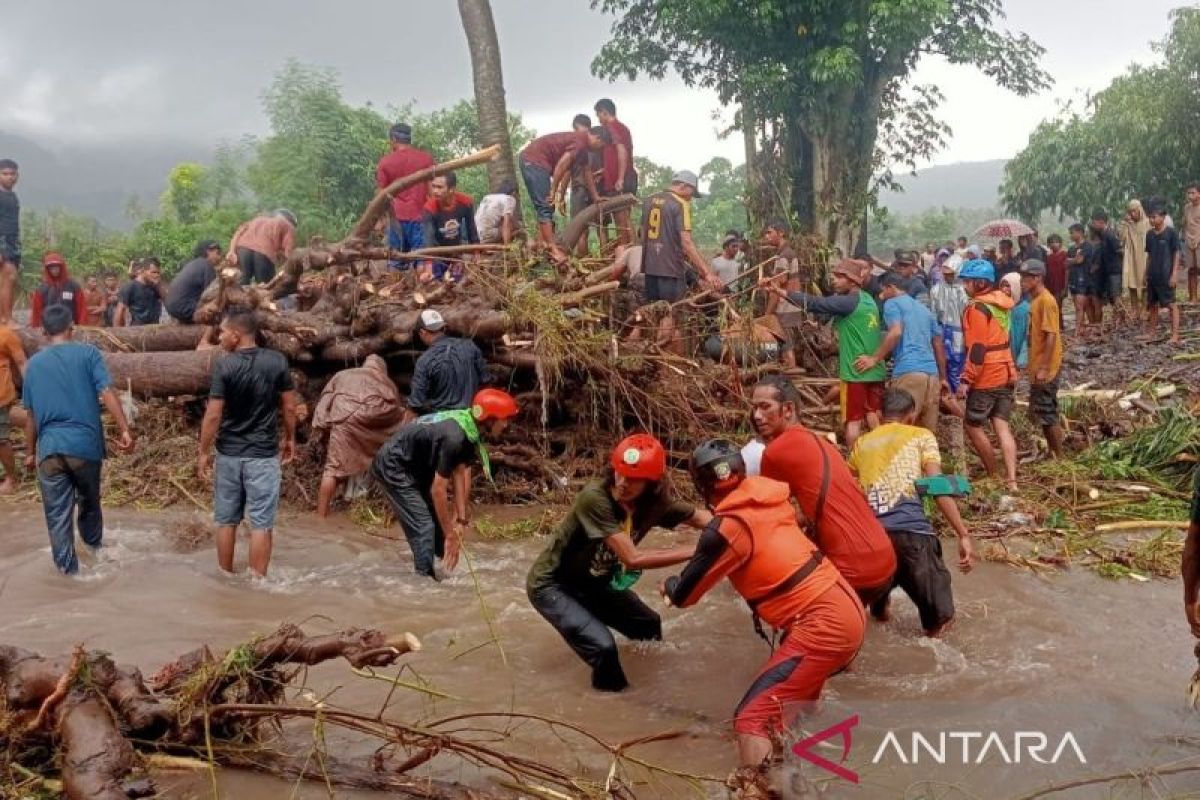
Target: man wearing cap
{"x": 406, "y": 230}
{"x": 420, "y": 463}
{"x": 668, "y": 248}
{"x": 1045, "y": 353}
{"x": 913, "y": 284}
{"x": 726, "y": 265}
{"x": 57, "y": 289}
{"x": 448, "y": 374}
{"x": 856, "y": 321}
{"x": 183, "y": 295}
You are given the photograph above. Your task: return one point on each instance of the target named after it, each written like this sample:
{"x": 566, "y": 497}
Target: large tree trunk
{"x": 480, "y": 29}
{"x": 162, "y": 374}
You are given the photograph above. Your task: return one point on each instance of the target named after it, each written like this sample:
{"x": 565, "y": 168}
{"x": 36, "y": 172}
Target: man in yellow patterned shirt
{"x": 888, "y": 461}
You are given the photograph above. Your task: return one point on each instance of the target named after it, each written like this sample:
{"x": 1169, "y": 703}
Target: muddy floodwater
{"x": 1097, "y": 668}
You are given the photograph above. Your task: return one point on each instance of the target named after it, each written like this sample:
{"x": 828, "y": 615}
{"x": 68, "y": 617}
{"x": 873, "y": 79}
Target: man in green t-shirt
{"x": 856, "y": 321}
{"x": 581, "y": 582}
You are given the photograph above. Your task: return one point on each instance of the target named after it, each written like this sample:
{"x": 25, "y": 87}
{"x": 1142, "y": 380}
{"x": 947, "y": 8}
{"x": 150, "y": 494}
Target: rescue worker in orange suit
{"x": 754, "y": 540}
{"x": 581, "y": 583}
{"x": 839, "y": 518}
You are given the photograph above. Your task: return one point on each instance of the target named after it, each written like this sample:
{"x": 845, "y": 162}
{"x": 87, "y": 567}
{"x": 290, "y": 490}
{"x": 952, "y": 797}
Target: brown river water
{"x": 1103, "y": 661}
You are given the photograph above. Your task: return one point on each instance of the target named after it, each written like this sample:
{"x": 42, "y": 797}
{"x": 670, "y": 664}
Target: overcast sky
{"x": 132, "y": 69}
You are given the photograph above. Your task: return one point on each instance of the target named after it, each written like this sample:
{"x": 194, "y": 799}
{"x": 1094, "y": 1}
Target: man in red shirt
{"x": 840, "y": 520}
{"x": 619, "y": 174}
{"x": 406, "y": 231}
{"x": 449, "y": 220}
{"x": 546, "y": 167}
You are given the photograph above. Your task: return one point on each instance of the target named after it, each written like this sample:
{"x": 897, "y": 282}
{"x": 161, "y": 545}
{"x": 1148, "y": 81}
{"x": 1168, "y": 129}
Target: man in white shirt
{"x": 495, "y": 218}
{"x": 726, "y": 264}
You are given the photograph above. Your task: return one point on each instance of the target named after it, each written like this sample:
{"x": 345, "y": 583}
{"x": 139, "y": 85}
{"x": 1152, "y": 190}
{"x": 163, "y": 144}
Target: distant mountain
{"x": 96, "y": 180}
{"x": 968, "y": 184}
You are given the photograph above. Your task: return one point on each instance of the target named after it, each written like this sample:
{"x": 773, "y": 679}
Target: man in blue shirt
{"x": 64, "y": 385}
{"x": 915, "y": 337}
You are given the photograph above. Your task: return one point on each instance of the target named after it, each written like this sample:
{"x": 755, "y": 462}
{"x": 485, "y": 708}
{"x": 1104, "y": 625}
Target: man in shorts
{"x": 251, "y": 389}
{"x": 1110, "y": 275}
{"x": 1191, "y": 239}
{"x": 1045, "y": 353}
{"x": 1163, "y": 260}
{"x": 859, "y": 333}
{"x": 10, "y": 238}
{"x": 990, "y": 375}
{"x": 1079, "y": 276}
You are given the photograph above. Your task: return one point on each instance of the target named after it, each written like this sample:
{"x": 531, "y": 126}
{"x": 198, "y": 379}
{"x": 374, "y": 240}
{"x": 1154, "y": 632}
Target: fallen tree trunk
{"x": 133, "y": 339}
{"x": 592, "y": 215}
{"x": 162, "y": 374}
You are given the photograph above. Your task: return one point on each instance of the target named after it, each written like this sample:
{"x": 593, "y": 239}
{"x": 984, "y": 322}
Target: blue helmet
{"x": 980, "y": 269}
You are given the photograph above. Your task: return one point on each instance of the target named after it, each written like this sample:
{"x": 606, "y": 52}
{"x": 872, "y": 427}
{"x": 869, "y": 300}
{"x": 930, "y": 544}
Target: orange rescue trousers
{"x": 821, "y": 642}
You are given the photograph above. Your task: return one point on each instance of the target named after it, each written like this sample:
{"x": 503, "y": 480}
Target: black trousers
{"x": 921, "y": 573}
{"x": 583, "y": 619}
{"x": 255, "y": 266}
{"x": 413, "y": 506}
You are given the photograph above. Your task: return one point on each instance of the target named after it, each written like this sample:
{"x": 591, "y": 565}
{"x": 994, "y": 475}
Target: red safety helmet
{"x": 493, "y": 404}
{"x": 640, "y": 456}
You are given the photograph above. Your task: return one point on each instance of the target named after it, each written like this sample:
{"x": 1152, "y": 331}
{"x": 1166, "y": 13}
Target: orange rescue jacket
{"x": 759, "y": 546}
{"x": 985, "y": 335}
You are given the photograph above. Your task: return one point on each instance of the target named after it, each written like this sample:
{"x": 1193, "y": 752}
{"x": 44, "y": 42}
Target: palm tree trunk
{"x": 480, "y": 29}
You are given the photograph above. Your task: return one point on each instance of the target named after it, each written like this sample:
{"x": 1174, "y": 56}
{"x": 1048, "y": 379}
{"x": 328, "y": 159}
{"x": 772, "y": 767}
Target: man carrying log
{"x": 251, "y": 389}
{"x": 405, "y": 231}
{"x": 359, "y": 409}
{"x": 262, "y": 244}
{"x": 582, "y": 582}
{"x": 546, "y": 168}
{"x": 448, "y": 374}
{"x": 420, "y": 462}
{"x": 57, "y": 289}
{"x": 839, "y": 519}
{"x": 65, "y": 383}
{"x": 755, "y": 542}
{"x": 183, "y": 296}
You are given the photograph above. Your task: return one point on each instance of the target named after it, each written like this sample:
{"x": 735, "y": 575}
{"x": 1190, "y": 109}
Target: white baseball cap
{"x": 431, "y": 320}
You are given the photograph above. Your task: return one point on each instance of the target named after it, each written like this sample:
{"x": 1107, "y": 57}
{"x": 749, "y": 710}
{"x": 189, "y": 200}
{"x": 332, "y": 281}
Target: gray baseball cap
{"x": 688, "y": 177}
{"x": 1034, "y": 267}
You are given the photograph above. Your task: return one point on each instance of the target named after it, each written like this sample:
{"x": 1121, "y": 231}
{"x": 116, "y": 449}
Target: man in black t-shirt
{"x": 10, "y": 237}
{"x": 251, "y": 389}
{"x": 1080, "y": 258}
{"x": 141, "y": 298}
{"x": 417, "y": 466}
{"x": 1164, "y": 257}
{"x": 183, "y": 296}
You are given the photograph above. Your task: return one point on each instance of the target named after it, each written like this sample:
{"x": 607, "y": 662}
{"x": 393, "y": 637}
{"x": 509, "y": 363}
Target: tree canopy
{"x": 1136, "y": 138}
{"x": 825, "y": 85}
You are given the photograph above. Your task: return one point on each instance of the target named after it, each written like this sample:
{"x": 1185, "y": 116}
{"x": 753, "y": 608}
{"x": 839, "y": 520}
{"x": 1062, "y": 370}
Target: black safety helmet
{"x": 716, "y": 466}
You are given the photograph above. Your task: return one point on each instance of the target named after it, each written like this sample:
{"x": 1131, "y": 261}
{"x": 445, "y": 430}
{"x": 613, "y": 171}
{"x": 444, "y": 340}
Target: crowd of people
{"x": 813, "y": 537}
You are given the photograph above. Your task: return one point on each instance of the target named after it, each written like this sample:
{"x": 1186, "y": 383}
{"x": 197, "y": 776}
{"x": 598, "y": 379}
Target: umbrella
{"x": 1003, "y": 229}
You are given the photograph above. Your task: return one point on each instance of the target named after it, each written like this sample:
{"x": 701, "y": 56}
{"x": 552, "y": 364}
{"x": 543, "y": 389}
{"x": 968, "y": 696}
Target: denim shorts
{"x": 10, "y": 250}
{"x": 246, "y": 488}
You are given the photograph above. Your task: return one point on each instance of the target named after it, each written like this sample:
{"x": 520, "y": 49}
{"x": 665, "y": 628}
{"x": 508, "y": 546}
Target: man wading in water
{"x": 581, "y": 582}
{"x": 65, "y": 382}
{"x": 420, "y": 463}
{"x": 755, "y": 542}
{"x": 251, "y": 389}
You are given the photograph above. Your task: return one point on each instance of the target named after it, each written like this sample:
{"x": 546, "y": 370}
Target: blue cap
{"x": 980, "y": 269}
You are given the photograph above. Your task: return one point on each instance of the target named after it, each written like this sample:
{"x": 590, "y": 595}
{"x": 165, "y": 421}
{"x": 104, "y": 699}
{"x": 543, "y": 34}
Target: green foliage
{"x": 173, "y": 242}
{"x": 828, "y": 81}
{"x": 722, "y": 206}
{"x": 1136, "y": 138}
{"x": 185, "y": 191}
{"x": 84, "y": 242}
{"x": 319, "y": 160}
